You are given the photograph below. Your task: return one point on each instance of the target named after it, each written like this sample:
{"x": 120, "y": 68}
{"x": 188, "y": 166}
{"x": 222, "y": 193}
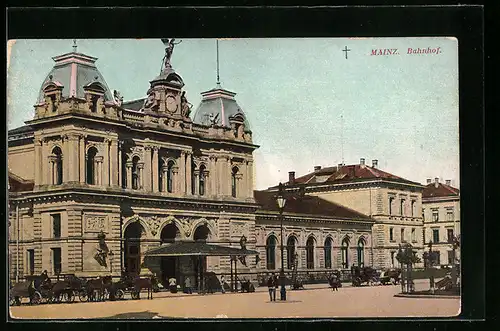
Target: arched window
{"x": 132, "y": 254}
{"x": 345, "y": 255}
{"x": 201, "y": 233}
{"x": 135, "y": 173}
{"x": 233, "y": 182}
{"x": 361, "y": 252}
{"x": 170, "y": 176}
{"x": 169, "y": 233}
{"x": 290, "y": 251}
{"x": 328, "y": 253}
{"x": 57, "y": 172}
{"x": 202, "y": 180}
{"x": 271, "y": 253}
{"x": 310, "y": 253}
{"x": 90, "y": 175}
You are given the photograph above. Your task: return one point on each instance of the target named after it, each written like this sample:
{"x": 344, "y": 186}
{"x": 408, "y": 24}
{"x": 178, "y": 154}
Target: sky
{"x": 307, "y": 103}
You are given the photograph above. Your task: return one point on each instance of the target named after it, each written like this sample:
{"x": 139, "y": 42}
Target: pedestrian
{"x": 187, "y": 286}
{"x": 172, "y": 284}
{"x": 335, "y": 283}
{"x": 223, "y": 283}
{"x": 271, "y": 285}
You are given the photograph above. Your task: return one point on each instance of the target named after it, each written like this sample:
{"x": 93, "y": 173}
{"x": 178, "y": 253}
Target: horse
{"x": 98, "y": 285}
{"x": 141, "y": 283}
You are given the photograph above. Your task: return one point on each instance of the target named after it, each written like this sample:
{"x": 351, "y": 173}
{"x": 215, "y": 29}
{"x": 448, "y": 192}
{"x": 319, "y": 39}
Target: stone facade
{"x": 441, "y": 215}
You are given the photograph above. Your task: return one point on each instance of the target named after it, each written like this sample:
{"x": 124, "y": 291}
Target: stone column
{"x": 98, "y": 170}
{"x": 182, "y": 173}
{"x": 71, "y": 161}
{"x": 114, "y": 168}
{"x": 220, "y": 176}
{"x": 106, "y": 164}
{"x": 147, "y": 169}
{"x": 45, "y": 164}
{"x": 155, "y": 169}
{"x": 164, "y": 170}
{"x": 129, "y": 174}
{"x": 52, "y": 170}
{"x": 239, "y": 186}
{"x": 196, "y": 181}
{"x": 120, "y": 163}
{"x": 140, "y": 174}
{"x": 212, "y": 174}
{"x": 229, "y": 177}
{"x": 188, "y": 173}
{"x": 250, "y": 179}
{"x": 175, "y": 180}
{"x": 38, "y": 161}
{"x": 65, "y": 157}
{"x": 81, "y": 159}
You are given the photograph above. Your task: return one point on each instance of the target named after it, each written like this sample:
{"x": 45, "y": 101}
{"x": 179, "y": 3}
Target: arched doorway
{"x": 90, "y": 166}
{"x": 201, "y": 234}
{"x": 169, "y": 265}
{"x": 57, "y": 171}
{"x": 132, "y": 253}
{"x": 310, "y": 253}
{"x": 290, "y": 251}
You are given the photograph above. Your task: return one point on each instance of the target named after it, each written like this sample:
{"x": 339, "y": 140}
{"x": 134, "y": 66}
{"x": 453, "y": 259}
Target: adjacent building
{"x": 392, "y": 202}
{"x": 441, "y": 214}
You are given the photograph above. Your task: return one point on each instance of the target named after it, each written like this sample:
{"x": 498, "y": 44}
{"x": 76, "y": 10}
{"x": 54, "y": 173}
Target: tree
{"x": 407, "y": 257}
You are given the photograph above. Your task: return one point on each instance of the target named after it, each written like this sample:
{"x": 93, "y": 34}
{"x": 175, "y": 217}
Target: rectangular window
{"x": 449, "y": 234}
{"x": 413, "y": 204}
{"x": 423, "y": 214}
{"x": 451, "y": 257}
{"x": 56, "y": 225}
{"x": 402, "y": 207}
{"x": 413, "y": 235}
{"x": 56, "y": 260}
{"x": 403, "y": 235}
{"x": 449, "y": 216}
{"x": 391, "y": 234}
{"x": 435, "y": 236}
{"x": 435, "y": 215}
{"x": 438, "y": 258}
{"x": 31, "y": 261}
{"x": 392, "y": 258}
{"x": 391, "y": 200}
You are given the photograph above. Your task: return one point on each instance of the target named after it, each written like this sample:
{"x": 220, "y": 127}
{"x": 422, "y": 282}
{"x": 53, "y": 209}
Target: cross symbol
{"x": 346, "y": 50}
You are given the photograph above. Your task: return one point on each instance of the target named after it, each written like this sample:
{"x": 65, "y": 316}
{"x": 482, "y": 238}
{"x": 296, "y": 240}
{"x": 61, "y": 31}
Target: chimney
{"x": 429, "y": 180}
{"x": 291, "y": 177}
{"x": 374, "y": 163}
{"x": 448, "y": 182}
{"x": 362, "y": 161}
{"x": 316, "y": 168}
{"x": 436, "y": 182}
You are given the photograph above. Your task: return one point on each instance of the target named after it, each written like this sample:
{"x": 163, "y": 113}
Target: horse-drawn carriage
{"x": 334, "y": 279}
{"x": 30, "y": 288}
{"x": 390, "y": 276}
{"x": 362, "y": 275}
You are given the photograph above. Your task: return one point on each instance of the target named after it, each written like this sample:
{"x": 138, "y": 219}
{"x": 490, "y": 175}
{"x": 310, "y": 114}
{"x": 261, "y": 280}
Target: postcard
{"x": 233, "y": 178}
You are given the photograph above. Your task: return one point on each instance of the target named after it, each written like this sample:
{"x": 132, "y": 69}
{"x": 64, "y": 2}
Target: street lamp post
{"x": 281, "y": 204}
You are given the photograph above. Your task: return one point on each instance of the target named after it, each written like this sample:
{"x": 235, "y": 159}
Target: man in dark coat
{"x": 271, "y": 285}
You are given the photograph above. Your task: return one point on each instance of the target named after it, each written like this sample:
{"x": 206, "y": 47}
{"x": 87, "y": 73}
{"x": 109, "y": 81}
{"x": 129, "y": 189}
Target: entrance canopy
{"x": 190, "y": 248}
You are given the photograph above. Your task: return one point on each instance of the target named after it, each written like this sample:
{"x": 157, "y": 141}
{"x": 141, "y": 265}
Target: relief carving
{"x": 153, "y": 223}
{"x": 238, "y": 229}
{"x": 96, "y": 223}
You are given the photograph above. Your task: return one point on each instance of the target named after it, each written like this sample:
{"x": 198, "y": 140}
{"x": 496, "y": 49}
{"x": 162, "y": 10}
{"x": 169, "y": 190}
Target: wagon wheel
{"x": 36, "y": 298}
{"x": 12, "y": 300}
{"x": 49, "y": 298}
{"x": 82, "y": 295}
{"x": 135, "y": 294}
{"x": 119, "y": 294}
{"x": 67, "y": 297}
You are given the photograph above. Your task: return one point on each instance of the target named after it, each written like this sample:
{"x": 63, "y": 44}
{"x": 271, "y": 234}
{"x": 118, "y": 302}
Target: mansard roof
{"x": 306, "y": 204}
{"x": 19, "y": 184}
{"x": 441, "y": 190}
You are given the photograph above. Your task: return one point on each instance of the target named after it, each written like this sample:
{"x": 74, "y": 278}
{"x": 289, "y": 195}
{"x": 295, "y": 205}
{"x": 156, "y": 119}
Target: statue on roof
{"x": 118, "y": 97}
{"x": 169, "y": 43}
{"x": 185, "y": 105}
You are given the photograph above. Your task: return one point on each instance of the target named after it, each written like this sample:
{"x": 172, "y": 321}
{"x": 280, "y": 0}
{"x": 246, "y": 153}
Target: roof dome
{"x": 73, "y": 71}
{"x": 218, "y": 106}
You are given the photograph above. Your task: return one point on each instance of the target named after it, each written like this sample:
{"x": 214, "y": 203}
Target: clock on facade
{"x": 171, "y": 104}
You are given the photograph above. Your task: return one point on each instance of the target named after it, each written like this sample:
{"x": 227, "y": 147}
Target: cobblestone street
{"x": 374, "y": 301}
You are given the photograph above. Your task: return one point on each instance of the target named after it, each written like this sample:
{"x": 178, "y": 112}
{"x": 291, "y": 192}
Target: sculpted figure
{"x": 150, "y": 102}
{"x": 118, "y": 97}
{"x": 169, "y": 50}
{"x": 185, "y": 105}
